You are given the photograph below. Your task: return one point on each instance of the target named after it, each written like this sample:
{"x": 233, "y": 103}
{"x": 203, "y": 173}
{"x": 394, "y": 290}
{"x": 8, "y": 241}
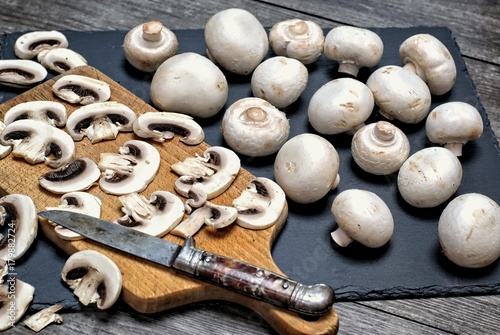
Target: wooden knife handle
{"x": 253, "y": 281}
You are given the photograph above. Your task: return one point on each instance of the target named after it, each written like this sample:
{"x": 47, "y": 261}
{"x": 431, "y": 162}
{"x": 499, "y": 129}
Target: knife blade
{"x": 238, "y": 276}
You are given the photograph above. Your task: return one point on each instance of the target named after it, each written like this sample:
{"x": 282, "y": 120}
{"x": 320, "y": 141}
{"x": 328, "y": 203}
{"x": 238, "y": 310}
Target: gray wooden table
{"x": 476, "y": 26}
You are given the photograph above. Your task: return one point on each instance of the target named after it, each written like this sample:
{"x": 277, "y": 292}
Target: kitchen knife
{"x": 250, "y": 280}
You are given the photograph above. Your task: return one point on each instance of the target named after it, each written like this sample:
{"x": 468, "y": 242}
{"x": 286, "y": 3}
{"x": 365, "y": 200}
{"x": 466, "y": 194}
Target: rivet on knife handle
{"x": 314, "y": 300}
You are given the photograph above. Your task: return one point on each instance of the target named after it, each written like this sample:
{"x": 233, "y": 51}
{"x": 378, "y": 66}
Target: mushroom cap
{"x": 340, "y": 105}
{"x": 148, "y": 45}
{"x": 353, "y": 48}
{"x": 469, "y": 230}
{"x": 364, "y": 217}
{"x": 298, "y": 39}
{"x": 11, "y": 313}
{"x": 380, "y": 148}
{"x": 30, "y": 44}
{"x": 400, "y": 94}
{"x": 191, "y": 84}
{"x": 21, "y": 73}
{"x": 429, "y": 58}
{"x": 236, "y": 40}
{"x": 279, "y": 80}
{"x": 81, "y": 89}
{"x": 78, "y": 175}
{"x": 60, "y": 60}
{"x": 429, "y": 177}
{"x": 51, "y": 112}
{"x": 454, "y": 122}
{"x": 254, "y": 127}
{"x": 306, "y": 168}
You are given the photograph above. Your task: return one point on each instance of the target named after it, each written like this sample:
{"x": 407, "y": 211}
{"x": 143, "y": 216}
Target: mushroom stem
{"x": 455, "y": 147}
{"x": 298, "y": 29}
{"x": 86, "y": 289}
{"x": 340, "y": 237}
{"x": 384, "y": 131}
{"x": 254, "y": 114}
{"x": 349, "y": 68}
{"x": 151, "y": 31}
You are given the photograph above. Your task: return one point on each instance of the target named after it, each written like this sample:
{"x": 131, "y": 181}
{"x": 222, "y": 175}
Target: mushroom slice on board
{"x": 78, "y": 175}
{"x": 197, "y": 197}
{"x": 18, "y": 221}
{"x": 37, "y": 142}
{"x": 21, "y": 73}
{"x": 12, "y": 310}
{"x": 100, "y": 121}
{"x": 161, "y": 126}
{"x": 80, "y": 89}
{"x": 80, "y": 202}
{"x": 51, "y": 112}
{"x": 60, "y": 60}
{"x": 216, "y": 170}
{"x": 261, "y": 204}
{"x": 212, "y": 215}
{"x": 156, "y": 216}
{"x": 4, "y": 149}
{"x": 130, "y": 170}
{"x": 43, "y": 318}
{"x": 93, "y": 277}
{"x": 30, "y": 44}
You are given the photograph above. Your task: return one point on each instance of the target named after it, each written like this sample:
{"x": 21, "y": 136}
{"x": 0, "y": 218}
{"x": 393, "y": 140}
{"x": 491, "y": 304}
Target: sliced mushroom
{"x": 15, "y": 298}
{"x": 60, "y": 60}
{"x": 30, "y": 44}
{"x": 4, "y": 149}
{"x": 51, "y": 112}
{"x": 80, "y": 202}
{"x": 80, "y": 89}
{"x": 78, "y": 175}
{"x": 197, "y": 197}
{"x": 19, "y": 222}
{"x": 37, "y": 142}
{"x": 93, "y": 277}
{"x": 100, "y": 121}
{"x": 3, "y": 269}
{"x": 21, "y": 73}
{"x": 156, "y": 216}
{"x": 216, "y": 170}
{"x": 43, "y": 318}
{"x": 161, "y": 126}
{"x": 130, "y": 170}
{"x": 261, "y": 204}
{"x": 212, "y": 215}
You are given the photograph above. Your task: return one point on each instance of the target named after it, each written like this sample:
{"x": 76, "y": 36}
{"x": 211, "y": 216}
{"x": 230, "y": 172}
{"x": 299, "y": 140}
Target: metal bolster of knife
{"x": 313, "y": 300}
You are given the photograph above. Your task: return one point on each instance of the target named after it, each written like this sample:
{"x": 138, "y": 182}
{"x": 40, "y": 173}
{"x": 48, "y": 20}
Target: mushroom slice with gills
{"x": 12, "y": 309}
{"x": 430, "y": 59}
{"x": 210, "y": 214}
{"x": 17, "y": 214}
{"x": 197, "y": 197}
{"x": 100, "y": 121}
{"x": 161, "y": 126}
{"x": 60, "y": 60}
{"x": 78, "y": 175}
{"x": 155, "y": 216}
{"x": 79, "y": 202}
{"x": 43, "y": 318}
{"x": 131, "y": 169}
{"x": 51, "y": 112}
{"x": 216, "y": 170}
{"x": 261, "y": 204}
{"x": 80, "y": 89}
{"x": 453, "y": 124}
{"x": 30, "y": 44}
{"x": 4, "y": 149}
{"x": 93, "y": 277}
{"x": 37, "y": 142}
{"x": 297, "y": 39}
{"x": 353, "y": 48}
{"x": 21, "y": 73}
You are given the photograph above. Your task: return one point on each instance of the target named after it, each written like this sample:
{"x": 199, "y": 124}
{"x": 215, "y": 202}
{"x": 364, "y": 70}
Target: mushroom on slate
{"x": 78, "y": 175}
{"x": 100, "y": 121}
{"x": 93, "y": 277}
{"x": 30, "y": 44}
{"x": 60, "y": 60}
{"x": 13, "y": 309}
{"x": 361, "y": 216}
{"x": 454, "y": 124}
{"x": 51, "y": 112}
{"x": 21, "y": 73}
{"x": 81, "y": 89}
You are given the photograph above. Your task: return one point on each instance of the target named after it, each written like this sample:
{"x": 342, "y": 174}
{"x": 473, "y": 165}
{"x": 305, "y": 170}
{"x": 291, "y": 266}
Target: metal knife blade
{"x": 247, "y": 279}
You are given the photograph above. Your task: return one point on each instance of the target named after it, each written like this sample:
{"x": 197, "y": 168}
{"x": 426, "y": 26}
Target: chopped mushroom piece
{"x": 30, "y": 44}
{"x": 80, "y": 89}
{"x": 13, "y": 306}
{"x": 197, "y": 197}
{"x": 50, "y": 112}
{"x": 93, "y": 277}
{"x": 78, "y": 175}
{"x": 43, "y": 318}
{"x": 21, "y": 73}
{"x": 4, "y": 149}
{"x": 60, "y": 60}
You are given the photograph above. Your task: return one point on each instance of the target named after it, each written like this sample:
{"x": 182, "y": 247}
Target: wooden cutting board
{"x": 147, "y": 287}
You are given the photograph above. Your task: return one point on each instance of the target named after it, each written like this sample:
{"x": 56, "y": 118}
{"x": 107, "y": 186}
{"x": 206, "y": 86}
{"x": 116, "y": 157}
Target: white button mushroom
{"x": 13, "y": 309}
{"x": 191, "y": 84}
{"x": 30, "y": 44}
{"x": 306, "y": 168}
{"x": 51, "y": 112}
{"x": 279, "y": 80}
{"x": 429, "y": 177}
{"x": 380, "y": 148}
{"x": 429, "y": 58}
{"x": 469, "y": 230}
{"x": 341, "y": 105}
{"x": 78, "y": 175}
{"x": 361, "y": 216}
{"x": 298, "y": 39}
{"x": 400, "y": 94}
{"x": 22, "y": 73}
{"x": 148, "y": 45}
{"x": 60, "y": 60}
{"x": 454, "y": 124}
{"x": 254, "y": 127}
{"x": 79, "y": 89}
{"x": 353, "y": 48}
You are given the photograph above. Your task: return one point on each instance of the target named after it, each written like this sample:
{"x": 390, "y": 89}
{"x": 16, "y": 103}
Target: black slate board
{"x": 410, "y": 265}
